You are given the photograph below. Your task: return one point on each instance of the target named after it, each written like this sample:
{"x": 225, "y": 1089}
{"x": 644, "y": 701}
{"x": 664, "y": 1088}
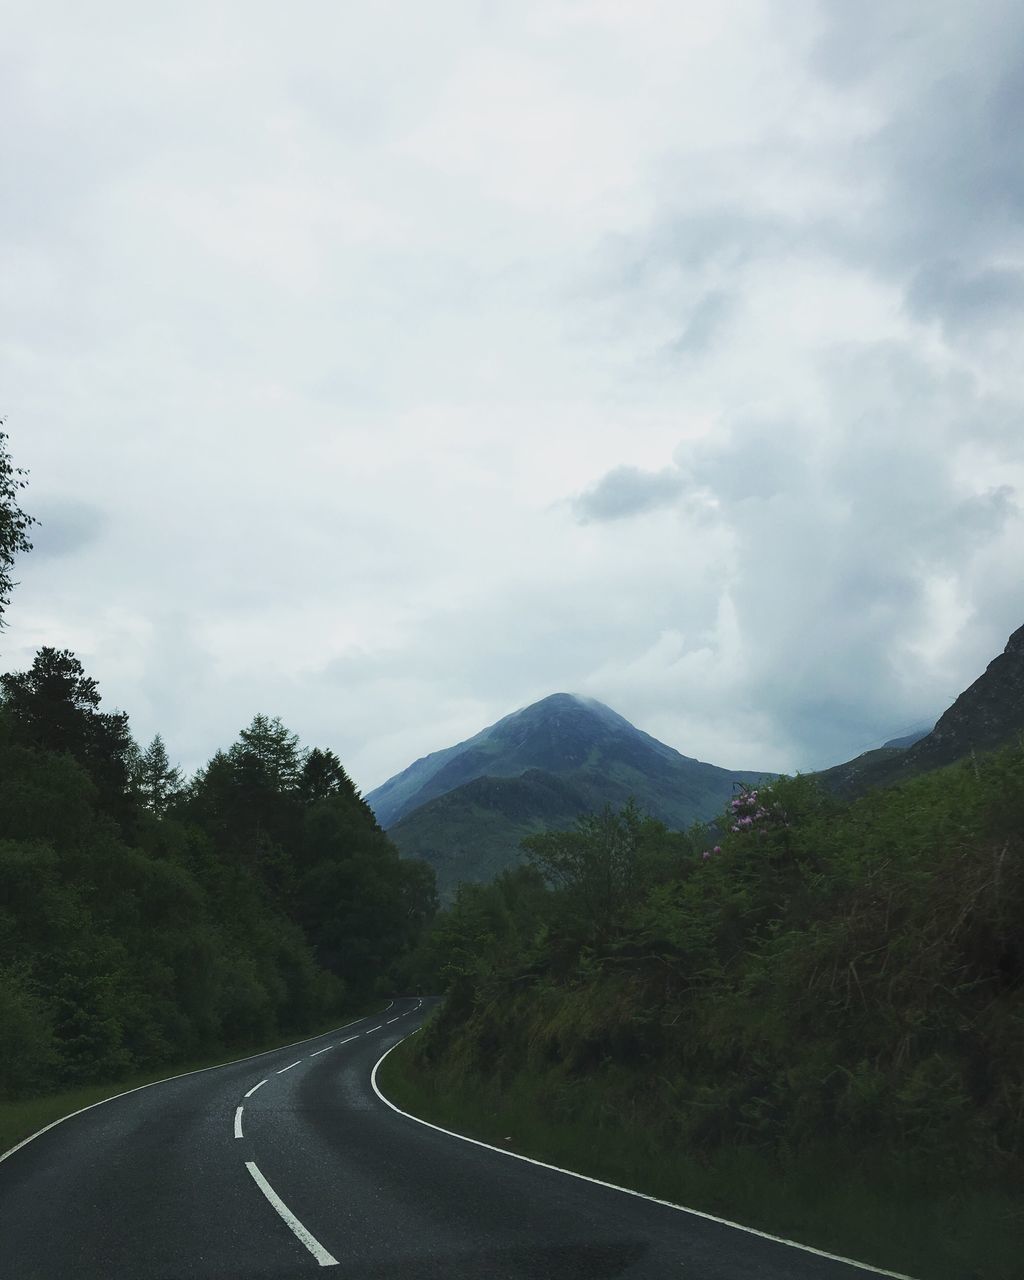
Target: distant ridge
{"x": 466, "y": 808}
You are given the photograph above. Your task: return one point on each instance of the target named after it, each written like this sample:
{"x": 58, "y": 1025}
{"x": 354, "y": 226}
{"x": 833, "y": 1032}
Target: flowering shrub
{"x": 747, "y": 811}
{"x": 751, "y": 811}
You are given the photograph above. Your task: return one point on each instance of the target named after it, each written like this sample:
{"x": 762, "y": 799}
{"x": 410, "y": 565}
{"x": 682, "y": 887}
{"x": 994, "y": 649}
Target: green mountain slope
{"x": 466, "y": 809}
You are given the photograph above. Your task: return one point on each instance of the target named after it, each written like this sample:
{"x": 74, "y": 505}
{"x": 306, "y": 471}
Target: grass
{"x": 25, "y": 1116}
{"x": 895, "y": 1218}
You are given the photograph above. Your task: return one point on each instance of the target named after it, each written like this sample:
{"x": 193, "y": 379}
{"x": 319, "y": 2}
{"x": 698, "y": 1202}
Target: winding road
{"x": 279, "y": 1165}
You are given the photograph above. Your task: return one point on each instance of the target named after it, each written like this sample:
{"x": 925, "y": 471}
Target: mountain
{"x": 908, "y": 739}
{"x": 466, "y": 808}
{"x": 987, "y": 714}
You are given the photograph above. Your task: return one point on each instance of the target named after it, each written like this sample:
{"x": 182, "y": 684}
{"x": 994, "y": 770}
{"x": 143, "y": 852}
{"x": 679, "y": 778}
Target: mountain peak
{"x": 561, "y": 735}
{"x": 465, "y": 810}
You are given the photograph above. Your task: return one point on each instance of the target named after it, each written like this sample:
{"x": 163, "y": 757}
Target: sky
{"x": 389, "y": 366}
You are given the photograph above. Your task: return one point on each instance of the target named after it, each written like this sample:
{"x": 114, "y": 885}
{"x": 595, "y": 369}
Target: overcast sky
{"x": 387, "y": 366}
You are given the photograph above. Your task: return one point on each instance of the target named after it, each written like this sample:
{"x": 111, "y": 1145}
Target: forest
{"x": 148, "y": 920}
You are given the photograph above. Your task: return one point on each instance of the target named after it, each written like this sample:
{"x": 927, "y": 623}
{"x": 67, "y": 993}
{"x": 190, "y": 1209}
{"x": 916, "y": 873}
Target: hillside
{"x": 810, "y": 1019}
{"x": 466, "y": 809}
{"x": 815, "y": 1027}
{"x": 988, "y": 713}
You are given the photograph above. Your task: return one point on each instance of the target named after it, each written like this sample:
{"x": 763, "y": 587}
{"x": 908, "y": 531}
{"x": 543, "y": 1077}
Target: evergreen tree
{"x": 14, "y": 523}
{"x": 268, "y": 754}
{"x": 323, "y": 775}
{"x": 54, "y": 707}
{"x": 52, "y": 704}
{"x": 158, "y": 780}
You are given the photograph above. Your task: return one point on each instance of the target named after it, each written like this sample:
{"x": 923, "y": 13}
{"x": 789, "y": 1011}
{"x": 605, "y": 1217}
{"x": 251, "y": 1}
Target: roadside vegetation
{"x": 147, "y": 920}
{"x": 21, "y": 1117}
{"x": 808, "y": 1018}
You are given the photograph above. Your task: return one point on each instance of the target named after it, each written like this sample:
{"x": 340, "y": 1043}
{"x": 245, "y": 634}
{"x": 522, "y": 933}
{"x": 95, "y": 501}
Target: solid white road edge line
{"x": 238, "y": 1122}
{"x": 249, "y": 1057}
{"x": 640, "y": 1195}
{"x": 255, "y": 1087}
{"x": 324, "y": 1258}
{"x": 289, "y": 1066}
{"x": 317, "y": 1052}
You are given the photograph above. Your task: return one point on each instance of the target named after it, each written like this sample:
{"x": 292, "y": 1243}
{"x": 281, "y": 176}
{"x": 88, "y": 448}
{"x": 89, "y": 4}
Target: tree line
{"x": 147, "y": 919}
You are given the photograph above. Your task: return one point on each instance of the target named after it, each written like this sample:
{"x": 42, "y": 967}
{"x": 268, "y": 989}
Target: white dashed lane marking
{"x": 324, "y": 1258}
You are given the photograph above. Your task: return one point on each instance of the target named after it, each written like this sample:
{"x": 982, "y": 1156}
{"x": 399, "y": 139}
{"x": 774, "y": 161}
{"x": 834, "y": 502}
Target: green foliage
{"x": 54, "y": 708}
{"x": 847, "y": 977}
{"x": 157, "y": 779}
{"x": 143, "y": 922}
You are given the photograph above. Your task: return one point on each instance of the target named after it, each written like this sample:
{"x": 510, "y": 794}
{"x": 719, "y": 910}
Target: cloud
{"x": 66, "y": 526}
{"x": 854, "y": 541}
{"x": 704, "y": 323}
{"x": 963, "y": 300}
{"x": 627, "y": 491}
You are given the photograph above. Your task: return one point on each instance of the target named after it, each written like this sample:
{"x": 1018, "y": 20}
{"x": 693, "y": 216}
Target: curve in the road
{"x": 162, "y": 1186}
{"x": 640, "y": 1195}
{"x": 167, "y": 1080}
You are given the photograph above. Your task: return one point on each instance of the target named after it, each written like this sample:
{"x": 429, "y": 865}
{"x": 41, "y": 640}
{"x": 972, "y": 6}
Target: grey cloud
{"x": 628, "y": 491}
{"x": 66, "y": 525}
{"x": 855, "y": 38}
{"x": 764, "y": 460}
{"x": 949, "y": 161}
{"x": 964, "y": 299}
{"x": 839, "y": 529}
{"x": 704, "y": 323}
{"x": 943, "y": 171}
{"x": 972, "y": 523}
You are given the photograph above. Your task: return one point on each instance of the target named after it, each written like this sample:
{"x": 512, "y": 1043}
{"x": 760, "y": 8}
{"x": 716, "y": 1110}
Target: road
{"x": 289, "y": 1164}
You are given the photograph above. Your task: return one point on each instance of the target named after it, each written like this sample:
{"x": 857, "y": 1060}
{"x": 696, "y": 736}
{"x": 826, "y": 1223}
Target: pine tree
{"x": 54, "y": 706}
{"x": 267, "y": 753}
{"x": 158, "y": 780}
{"x": 323, "y": 775}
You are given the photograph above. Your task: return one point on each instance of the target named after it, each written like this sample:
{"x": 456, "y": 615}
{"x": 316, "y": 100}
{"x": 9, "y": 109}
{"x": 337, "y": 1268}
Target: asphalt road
{"x": 289, "y": 1162}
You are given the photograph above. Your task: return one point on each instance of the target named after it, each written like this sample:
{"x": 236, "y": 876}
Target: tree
{"x": 14, "y": 523}
{"x": 158, "y": 780}
{"x": 54, "y": 706}
{"x": 323, "y": 775}
{"x": 267, "y": 754}
{"x": 596, "y": 863}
